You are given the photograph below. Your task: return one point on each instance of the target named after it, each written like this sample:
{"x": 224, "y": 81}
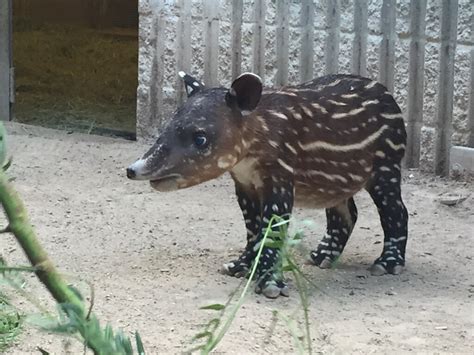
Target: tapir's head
{"x": 204, "y": 139}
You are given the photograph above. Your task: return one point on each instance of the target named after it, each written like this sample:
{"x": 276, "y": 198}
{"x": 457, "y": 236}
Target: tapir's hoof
{"x": 321, "y": 260}
{"x": 378, "y": 269}
{"x": 273, "y": 289}
{"x": 235, "y": 268}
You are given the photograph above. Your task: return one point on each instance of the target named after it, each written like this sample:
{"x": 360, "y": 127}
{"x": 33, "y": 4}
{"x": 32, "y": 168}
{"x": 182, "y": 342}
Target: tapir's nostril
{"x": 131, "y": 173}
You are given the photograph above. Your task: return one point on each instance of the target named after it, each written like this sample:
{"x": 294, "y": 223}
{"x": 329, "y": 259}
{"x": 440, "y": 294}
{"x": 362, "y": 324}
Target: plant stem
{"x": 25, "y": 235}
{"x": 43, "y": 266}
{"x": 236, "y": 308}
{"x": 293, "y": 330}
{"x": 304, "y": 303}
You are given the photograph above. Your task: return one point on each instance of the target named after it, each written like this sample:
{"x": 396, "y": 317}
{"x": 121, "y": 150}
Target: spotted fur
{"x": 314, "y": 145}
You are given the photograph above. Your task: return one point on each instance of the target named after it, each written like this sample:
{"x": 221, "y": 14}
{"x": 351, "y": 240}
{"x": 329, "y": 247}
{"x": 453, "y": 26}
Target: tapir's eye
{"x": 200, "y": 140}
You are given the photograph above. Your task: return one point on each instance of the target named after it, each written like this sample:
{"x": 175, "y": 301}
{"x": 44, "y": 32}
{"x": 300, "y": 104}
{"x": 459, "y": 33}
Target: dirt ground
{"x": 153, "y": 257}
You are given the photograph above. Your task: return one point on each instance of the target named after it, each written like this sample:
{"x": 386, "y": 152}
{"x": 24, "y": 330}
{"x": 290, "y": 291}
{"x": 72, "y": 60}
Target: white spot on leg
{"x": 380, "y": 154}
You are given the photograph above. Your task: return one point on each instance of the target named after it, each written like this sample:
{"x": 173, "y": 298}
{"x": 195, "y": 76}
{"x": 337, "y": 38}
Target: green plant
{"x": 10, "y": 323}
{"x": 74, "y": 318}
{"x": 276, "y": 236}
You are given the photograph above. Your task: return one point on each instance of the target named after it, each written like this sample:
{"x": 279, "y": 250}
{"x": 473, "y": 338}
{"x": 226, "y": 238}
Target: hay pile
{"x": 73, "y": 77}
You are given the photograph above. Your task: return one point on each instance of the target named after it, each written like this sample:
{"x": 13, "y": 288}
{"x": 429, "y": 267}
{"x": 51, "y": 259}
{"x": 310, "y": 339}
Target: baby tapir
{"x": 316, "y": 145}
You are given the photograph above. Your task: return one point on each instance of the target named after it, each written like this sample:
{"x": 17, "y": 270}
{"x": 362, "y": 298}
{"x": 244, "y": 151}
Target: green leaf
{"x": 108, "y": 332}
{"x": 7, "y": 164}
{"x": 287, "y": 268}
{"x": 76, "y": 292}
{"x": 123, "y": 343}
{"x": 275, "y": 245}
{"x": 213, "y": 324}
{"x": 72, "y": 310}
{"x": 202, "y": 335}
{"x": 41, "y": 321}
{"x": 274, "y": 235}
{"x": 42, "y": 351}
{"x": 214, "y": 307}
{"x": 140, "y": 348}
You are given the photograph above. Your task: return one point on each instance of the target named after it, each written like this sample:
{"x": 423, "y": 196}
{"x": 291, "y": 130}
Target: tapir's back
{"x": 334, "y": 128}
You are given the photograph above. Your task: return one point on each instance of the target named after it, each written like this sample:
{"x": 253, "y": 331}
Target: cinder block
{"x": 462, "y": 159}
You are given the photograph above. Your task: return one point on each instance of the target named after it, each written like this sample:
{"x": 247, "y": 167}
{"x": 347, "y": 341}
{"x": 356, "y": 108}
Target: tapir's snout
{"x": 139, "y": 171}
{"x": 131, "y": 173}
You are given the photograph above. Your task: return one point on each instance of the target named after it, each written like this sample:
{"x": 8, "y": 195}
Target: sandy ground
{"x": 153, "y": 257}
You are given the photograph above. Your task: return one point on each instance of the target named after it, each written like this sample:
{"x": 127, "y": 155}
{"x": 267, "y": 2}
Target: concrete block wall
{"x": 149, "y": 126}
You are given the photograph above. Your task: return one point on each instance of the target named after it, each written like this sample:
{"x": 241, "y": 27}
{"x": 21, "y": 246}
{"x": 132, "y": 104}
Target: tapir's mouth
{"x": 165, "y": 183}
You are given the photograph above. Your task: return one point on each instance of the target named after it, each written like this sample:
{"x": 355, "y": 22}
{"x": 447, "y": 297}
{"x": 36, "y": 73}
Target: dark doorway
{"x": 76, "y": 64}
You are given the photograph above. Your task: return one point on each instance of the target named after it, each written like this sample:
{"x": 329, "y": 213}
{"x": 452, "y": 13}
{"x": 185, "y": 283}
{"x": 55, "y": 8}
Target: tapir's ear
{"x": 245, "y": 93}
{"x": 191, "y": 85}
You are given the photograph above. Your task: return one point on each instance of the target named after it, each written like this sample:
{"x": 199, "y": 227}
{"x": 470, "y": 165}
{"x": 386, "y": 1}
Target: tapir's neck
{"x": 264, "y": 122}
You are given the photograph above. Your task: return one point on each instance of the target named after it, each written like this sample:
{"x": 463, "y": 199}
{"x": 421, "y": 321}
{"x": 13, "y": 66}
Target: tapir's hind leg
{"x": 384, "y": 189}
{"x": 340, "y": 223}
{"x": 250, "y": 207}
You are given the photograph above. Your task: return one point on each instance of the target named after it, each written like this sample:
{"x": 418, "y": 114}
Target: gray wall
{"x": 149, "y": 120}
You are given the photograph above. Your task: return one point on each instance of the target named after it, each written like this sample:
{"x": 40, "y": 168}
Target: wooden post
{"x": 237, "y": 15}
{"x": 259, "y": 38}
{"x": 282, "y": 38}
{"x": 359, "y": 44}
{"x": 183, "y": 46}
{"x": 416, "y": 70}
{"x": 449, "y": 20}
{"x": 333, "y": 24}
{"x": 471, "y": 94}
{"x": 7, "y": 88}
{"x": 387, "y": 46}
{"x": 157, "y": 39}
{"x": 307, "y": 40}
{"x": 211, "y": 41}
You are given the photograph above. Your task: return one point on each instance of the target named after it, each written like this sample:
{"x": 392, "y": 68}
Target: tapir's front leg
{"x": 250, "y": 205}
{"x": 277, "y": 199}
